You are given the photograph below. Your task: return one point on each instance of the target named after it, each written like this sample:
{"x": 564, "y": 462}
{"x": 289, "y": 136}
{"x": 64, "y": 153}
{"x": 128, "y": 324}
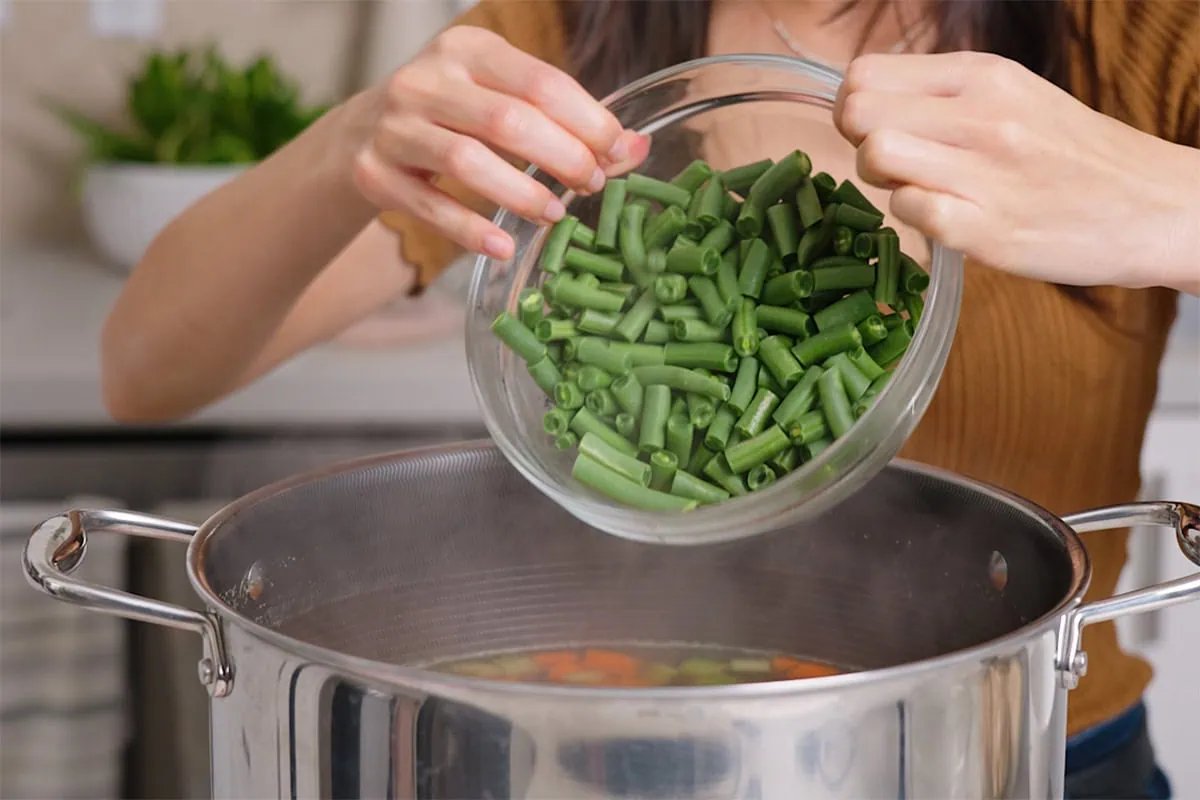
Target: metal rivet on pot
{"x": 998, "y": 570}
{"x": 206, "y": 671}
{"x": 1079, "y": 664}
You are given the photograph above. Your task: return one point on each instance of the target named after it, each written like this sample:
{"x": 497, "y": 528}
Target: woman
{"x": 1048, "y": 388}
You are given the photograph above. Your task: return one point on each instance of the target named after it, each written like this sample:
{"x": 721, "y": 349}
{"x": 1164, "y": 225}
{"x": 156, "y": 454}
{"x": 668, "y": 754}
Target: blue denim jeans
{"x": 1115, "y": 760}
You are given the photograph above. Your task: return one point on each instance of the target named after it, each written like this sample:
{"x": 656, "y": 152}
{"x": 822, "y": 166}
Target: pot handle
{"x": 1071, "y": 661}
{"x": 57, "y": 547}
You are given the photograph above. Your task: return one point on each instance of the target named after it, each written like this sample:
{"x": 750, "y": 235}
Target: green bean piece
{"x": 571, "y": 347}
{"x": 545, "y": 374}
{"x": 670, "y": 288}
{"x": 683, "y": 240}
{"x": 626, "y": 291}
{"x": 887, "y": 272}
{"x": 678, "y": 405}
{"x": 857, "y": 219}
{"x": 760, "y": 477}
{"x": 782, "y": 177}
{"x": 799, "y": 400}
{"x": 680, "y": 433}
{"x": 657, "y": 332}
{"x": 757, "y": 449}
{"x": 554, "y": 351}
{"x": 601, "y": 403}
{"x": 715, "y": 309}
{"x": 814, "y": 242}
{"x": 853, "y": 380}
{"x": 864, "y": 246}
{"x": 780, "y": 319}
{"x": 706, "y": 355}
{"x": 754, "y": 419}
{"x": 852, "y": 308}
{"x": 557, "y": 241}
{"x": 891, "y": 349}
{"x": 693, "y": 176}
{"x": 913, "y": 277}
{"x": 626, "y": 424}
{"x": 700, "y": 458}
{"x": 571, "y": 292}
{"x": 567, "y": 440}
{"x": 568, "y": 395}
{"x": 588, "y": 279}
{"x": 693, "y": 260}
{"x": 841, "y": 279}
{"x": 695, "y": 229}
{"x": 641, "y": 353}
{"x": 556, "y": 421}
{"x": 570, "y": 371}
{"x": 774, "y": 354}
{"x": 781, "y": 219}
{"x": 813, "y": 449}
{"x": 753, "y": 276}
{"x": 788, "y": 288}
{"x": 700, "y": 410}
{"x": 861, "y": 406}
{"x": 744, "y": 385}
{"x": 843, "y": 241}
{"x": 661, "y": 192}
{"x": 530, "y": 307}
{"x": 865, "y": 364}
{"x": 767, "y": 381}
{"x": 720, "y": 237}
{"x": 872, "y": 330}
{"x": 619, "y": 488}
{"x": 632, "y": 244}
{"x": 680, "y": 311}
{"x": 718, "y": 470}
{"x": 518, "y": 338}
{"x": 717, "y": 435}
{"x": 583, "y": 236}
{"x": 808, "y": 204}
{"x": 879, "y": 384}
{"x": 827, "y": 343}
{"x": 745, "y": 327}
{"x": 808, "y": 427}
{"x": 663, "y": 464}
{"x": 750, "y": 220}
{"x": 893, "y": 321}
{"x": 835, "y": 404}
{"x": 825, "y": 186}
{"x": 915, "y": 305}
{"x": 837, "y": 261}
{"x": 697, "y": 330}
{"x": 727, "y": 276}
{"x": 592, "y": 378}
{"x": 662, "y": 229}
{"x": 683, "y": 379}
{"x": 848, "y": 194}
{"x": 787, "y": 461}
{"x": 618, "y": 460}
{"x": 656, "y": 261}
{"x": 585, "y": 422}
{"x": 732, "y": 208}
{"x": 627, "y": 391}
{"x": 711, "y": 205}
{"x": 600, "y": 266}
{"x": 597, "y": 322}
{"x": 611, "y": 203}
{"x": 636, "y": 319}
{"x": 656, "y": 407}
{"x": 685, "y": 484}
{"x": 740, "y": 179}
{"x": 597, "y": 352}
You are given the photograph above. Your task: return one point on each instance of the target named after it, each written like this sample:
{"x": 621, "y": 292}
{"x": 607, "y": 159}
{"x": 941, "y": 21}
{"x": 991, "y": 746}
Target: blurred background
{"x": 97, "y": 708}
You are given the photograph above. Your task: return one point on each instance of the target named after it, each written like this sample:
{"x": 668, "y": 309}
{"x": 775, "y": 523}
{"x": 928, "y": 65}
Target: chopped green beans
{"x": 712, "y": 346}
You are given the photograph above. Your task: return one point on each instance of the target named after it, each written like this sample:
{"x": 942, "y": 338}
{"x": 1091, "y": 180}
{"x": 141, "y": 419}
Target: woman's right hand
{"x": 467, "y": 95}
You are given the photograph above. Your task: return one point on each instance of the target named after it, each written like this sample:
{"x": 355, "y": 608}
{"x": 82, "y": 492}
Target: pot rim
{"x": 444, "y": 683}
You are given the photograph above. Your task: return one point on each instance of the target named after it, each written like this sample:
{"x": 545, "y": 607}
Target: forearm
{"x": 214, "y": 287}
{"x": 1182, "y": 267}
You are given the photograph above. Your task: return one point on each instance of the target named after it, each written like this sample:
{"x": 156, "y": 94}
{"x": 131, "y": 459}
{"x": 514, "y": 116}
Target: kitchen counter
{"x": 52, "y": 306}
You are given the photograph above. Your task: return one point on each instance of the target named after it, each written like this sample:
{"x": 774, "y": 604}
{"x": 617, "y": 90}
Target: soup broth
{"x": 638, "y": 666}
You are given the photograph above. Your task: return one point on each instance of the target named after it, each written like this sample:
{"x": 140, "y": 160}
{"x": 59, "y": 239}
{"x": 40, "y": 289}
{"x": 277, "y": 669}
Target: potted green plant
{"x": 193, "y": 123}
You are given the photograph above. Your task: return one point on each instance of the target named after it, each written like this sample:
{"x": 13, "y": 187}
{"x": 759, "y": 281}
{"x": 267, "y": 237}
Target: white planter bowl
{"x": 126, "y": 205}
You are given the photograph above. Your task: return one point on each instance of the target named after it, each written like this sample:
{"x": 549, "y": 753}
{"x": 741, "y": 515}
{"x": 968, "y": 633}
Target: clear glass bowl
{"x": 728, "y": 110}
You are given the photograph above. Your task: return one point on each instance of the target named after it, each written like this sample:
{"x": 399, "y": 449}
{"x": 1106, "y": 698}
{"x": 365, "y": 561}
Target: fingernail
{"x": 554, "y": 211}
{"x": 496, "y": 245}
{"x": 596, "y": 183}
{"x": 619, "y": 151}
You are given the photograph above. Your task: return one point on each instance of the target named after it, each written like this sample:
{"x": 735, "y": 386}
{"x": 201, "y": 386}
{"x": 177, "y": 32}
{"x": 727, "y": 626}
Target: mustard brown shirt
{"x": 1042, "y": 395}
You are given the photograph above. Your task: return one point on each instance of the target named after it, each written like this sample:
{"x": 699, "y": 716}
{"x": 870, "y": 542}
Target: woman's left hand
{"x": 986, "y": 157}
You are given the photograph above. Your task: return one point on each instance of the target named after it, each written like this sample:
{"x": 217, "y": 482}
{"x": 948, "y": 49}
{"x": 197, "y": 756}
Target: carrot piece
{"x": 811, "y": 670}
{"x": 611, "y": 661}
{"x": 784, "y": 663}
{"x": 556, "y": 659}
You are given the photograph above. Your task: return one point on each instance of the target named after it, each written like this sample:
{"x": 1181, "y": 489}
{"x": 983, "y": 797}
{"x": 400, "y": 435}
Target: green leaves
{"x": 193, "y": 107}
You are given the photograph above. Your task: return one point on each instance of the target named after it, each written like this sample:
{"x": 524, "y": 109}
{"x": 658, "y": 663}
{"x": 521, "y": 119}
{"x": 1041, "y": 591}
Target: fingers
{"x": 497, "y": 65}
{"x": 939, "y": 74}
{"x": 940, "y": 119}
{"x": 392, "y": 188}
{"x": 944, "y": 218}
{"x": 890, "y": 158}
{"x": 516, "y": 127}
{"x": 413, "y": 142}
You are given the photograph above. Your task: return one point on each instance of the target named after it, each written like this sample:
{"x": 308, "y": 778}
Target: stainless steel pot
{"x": 961, "y": 604}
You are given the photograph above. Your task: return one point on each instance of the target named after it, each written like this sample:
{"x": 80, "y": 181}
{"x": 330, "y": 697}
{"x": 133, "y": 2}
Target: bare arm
{"x": 285, "y": 256}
